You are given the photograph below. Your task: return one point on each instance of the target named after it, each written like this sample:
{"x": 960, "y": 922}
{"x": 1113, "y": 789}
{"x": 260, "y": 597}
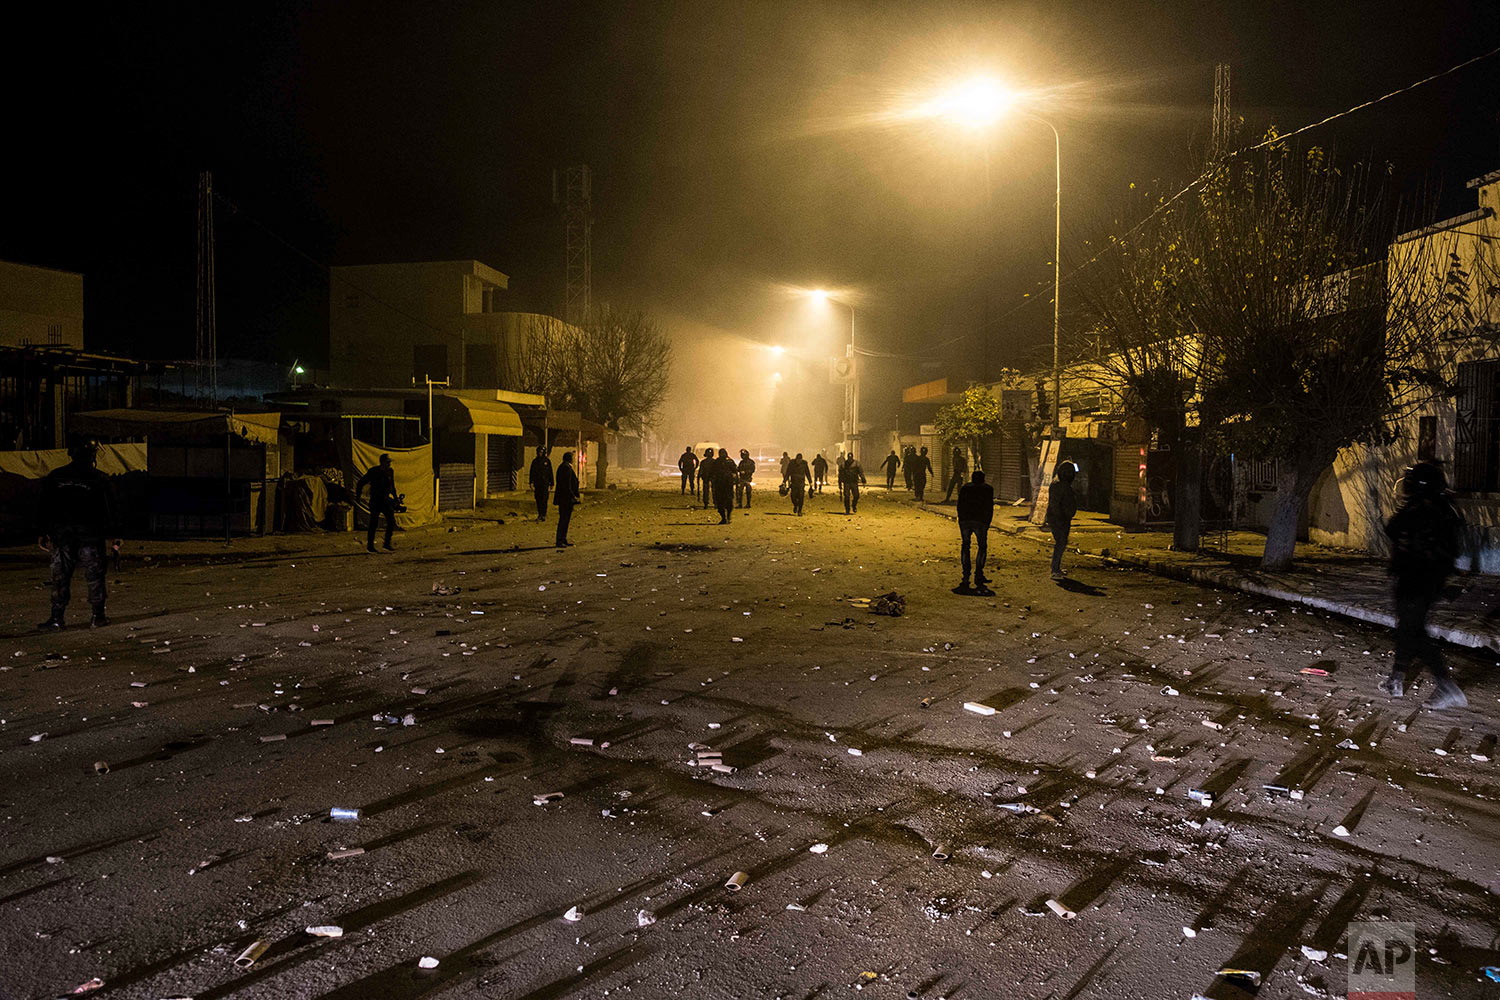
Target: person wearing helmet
{"x": 1062, "y": 504}
{"x": 744, "y": 479}
{"x": 1424, "y": 533}
{"x": 76, "y": 516}
{"x": 723, "y": 477}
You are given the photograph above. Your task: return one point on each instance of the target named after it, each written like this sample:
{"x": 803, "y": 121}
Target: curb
{"x": 1229, "y": 580}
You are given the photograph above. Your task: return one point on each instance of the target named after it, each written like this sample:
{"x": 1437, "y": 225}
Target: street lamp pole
{"x": 1056, "y": 274}
{"x": 852, "y": 404}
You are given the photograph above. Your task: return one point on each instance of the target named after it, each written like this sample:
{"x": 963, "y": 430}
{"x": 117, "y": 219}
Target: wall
{"x": 40, "y": 306}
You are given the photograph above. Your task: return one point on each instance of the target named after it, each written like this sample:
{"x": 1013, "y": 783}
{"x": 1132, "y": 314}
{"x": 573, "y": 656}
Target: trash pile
{"x": 892, "y": 604}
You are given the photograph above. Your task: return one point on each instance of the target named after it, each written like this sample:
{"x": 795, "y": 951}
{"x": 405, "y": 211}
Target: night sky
{"x": 736, "y": 148}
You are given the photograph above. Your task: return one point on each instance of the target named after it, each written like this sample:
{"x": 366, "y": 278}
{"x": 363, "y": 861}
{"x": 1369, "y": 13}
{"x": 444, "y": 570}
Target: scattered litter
{"x": 1201, "y": 796}
{"x": 927, "y": 702}
{"x": 347, "y": 852}
{"x": 724, "y": 768}
{"x": 737, "y": 881}
{"x": 1189, "y": 932}
{"x": 38, "y": 737}
{"x": 1493, "y": 972}
{"x": 856, "y": 753}
{"x": 1170, "y": 691}
{"x": 819, "y": 848}
{"x": 321, "y": 722}
{"x": 940, "y": 853}
{"x": 1315, "y": 671}
{"x": 573, "y": 915}
{"x": 1060, "y": 910}
{"x": 978, "y": 708}
{"x": 1161, "y": 758}
{"x": 88, "y": 987}
{"x": 1211, "y": 724}
{"x": 1314, "y": 954}
{"x": 249, "y": 956}
{"x": 581, "y": 741}
{"x": 419, "y": 691}
{"x": 276, "y": 738}
{"x": 544, "y": 798}
{"x": 1017, "y": 807}
{"x": 427, "y": 962}
{"x": 1348, "y": 745}
{"x": 644, "y": 918}
{"x": 1341, "y": 831}
{"x": 1249, "y": 975}
{"x": 101, "y": 767}
{"x": 892, "y": 605}
{"x": 326, "y": 931}
{"x": 796, "y": 907}
{"x": 444, "y": 591}
{"x": 343, "y": 815}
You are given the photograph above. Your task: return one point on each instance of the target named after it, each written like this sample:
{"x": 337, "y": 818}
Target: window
{"x": 481, "y": 366}
{"x": 1476, "y": 433}
{"x": 429, "y": 361}
{"x": 1426, "y": 439}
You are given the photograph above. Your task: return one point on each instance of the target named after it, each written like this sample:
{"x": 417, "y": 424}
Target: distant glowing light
{"x": 776, "y": 376}
{"x": 818, "y": 295}
{"x": 974, "y": 104}
{"x": 300, "y": 370}
{"x": 778, "y": 350}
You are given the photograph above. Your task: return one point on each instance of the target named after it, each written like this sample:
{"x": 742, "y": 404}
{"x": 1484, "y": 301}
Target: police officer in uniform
{"x": 76, "y": 516}
{"x": 541, "y": 480}
{"x": 743, "y": 480}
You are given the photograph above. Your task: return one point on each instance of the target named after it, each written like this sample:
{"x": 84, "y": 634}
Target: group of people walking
{"x": 729, "y": 485}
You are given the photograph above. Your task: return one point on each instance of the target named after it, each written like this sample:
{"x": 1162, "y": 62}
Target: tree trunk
{"x": 1292, "y": 488}
{"x": 602, "y": 464}
{"x": 1187, "y": 508}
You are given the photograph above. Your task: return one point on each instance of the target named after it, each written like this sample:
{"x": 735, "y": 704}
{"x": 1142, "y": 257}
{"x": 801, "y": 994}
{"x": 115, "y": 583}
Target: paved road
{"x": 661, "y": 629}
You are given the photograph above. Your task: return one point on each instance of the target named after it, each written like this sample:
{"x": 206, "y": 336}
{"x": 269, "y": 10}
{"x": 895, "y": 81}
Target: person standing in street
{"x": 1062, "y": 504}
{"x": 798, "y": 475}
{"x": 688, "y": 463}
{"x": 1425, "y": 534}
{"x": 820, "y": 473}
{"x": 744, "y": 479}
{"x": 851, "y": 478}
{"x": 541, "y": 480}
{"x": 566, "y": 497}
{"x": 976, "y": 508}
{"x": 958, "y": 475}
{"x": 381, "y": 479}
{"x": 706, "y": 475}
{"x": 891, "y": 465}
{"x": 908, "y": 462}
{"x": 785, "y": 461}
{"x": 75, "y": 520}
{"x": 921, "y": 467}
{"x": 723, "y": 475}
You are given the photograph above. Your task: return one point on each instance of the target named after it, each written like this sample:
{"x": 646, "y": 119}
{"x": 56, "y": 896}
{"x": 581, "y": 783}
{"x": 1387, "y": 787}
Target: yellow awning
{"x": 475, "y": 416}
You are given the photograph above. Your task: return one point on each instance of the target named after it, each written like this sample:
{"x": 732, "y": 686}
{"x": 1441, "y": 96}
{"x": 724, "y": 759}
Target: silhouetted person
{"x": 976, "y": 508}
{"x": 75, "y": 520}
{"x": 820, "y": 473}
{"x": 1062, "y": 504}
{"x": 724, "y": 474}
{"x": 381, "y": 479}
{"x": 688, "y": 463}
{"x": 1425, "y": 535}
{"x": 921, "y": 468}
{"x": 908, "y": 462}
{"x": 744, "y": 479}
{"x": 891, "y": 465}
{"x": 706, "y": 475}
{"x": 851, "y": 477}
{"x": 541, "y": 480}
{"x": 566, "y": 497}
{"x": 785, "y": 461}
{"x": 958, "y": 474}
{"x": 798, "y": 475}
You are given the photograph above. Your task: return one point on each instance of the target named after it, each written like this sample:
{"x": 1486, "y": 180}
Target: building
{"x": 40, "y": 306}
{"x": 395, "y": 325}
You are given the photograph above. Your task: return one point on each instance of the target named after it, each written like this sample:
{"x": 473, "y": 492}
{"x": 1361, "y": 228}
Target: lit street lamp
{"x": 978, "y": 104}
{"x": 851, "y": 387}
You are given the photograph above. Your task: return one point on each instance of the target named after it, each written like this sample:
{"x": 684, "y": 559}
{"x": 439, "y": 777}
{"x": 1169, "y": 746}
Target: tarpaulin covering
{"x": 476, "y": 416}
{"x": 413, "y": 468}
{"x": 304, "y": 503}
{"x": 111, "y": 459}
{"x": 258, "y": 428}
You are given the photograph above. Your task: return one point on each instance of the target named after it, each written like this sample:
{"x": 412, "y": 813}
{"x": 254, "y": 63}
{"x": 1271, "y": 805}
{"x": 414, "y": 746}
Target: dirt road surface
{"x": 660, "y": 632}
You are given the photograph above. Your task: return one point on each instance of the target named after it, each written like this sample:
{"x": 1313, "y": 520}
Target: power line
{"x": 1250, "y": 149}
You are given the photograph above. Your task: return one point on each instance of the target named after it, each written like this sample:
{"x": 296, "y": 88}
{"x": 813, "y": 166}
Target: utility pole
{"x": 572, "y": 191}
{"x": 1221, "y": 134}
{"x": 206, "y": 319}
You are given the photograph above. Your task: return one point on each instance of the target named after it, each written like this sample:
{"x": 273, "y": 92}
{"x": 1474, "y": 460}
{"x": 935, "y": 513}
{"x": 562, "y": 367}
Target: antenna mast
{"x": 572, "y": 191}
{"x": 206, "y": 320}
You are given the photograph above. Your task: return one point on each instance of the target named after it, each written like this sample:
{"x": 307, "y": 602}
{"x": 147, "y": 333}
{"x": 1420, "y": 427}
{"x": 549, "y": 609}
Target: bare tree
{"x": 615, "y": 368}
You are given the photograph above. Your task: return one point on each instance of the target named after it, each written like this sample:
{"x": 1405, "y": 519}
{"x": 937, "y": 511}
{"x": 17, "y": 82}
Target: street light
{"x": 851, "y": 388}
{"x": 977, "y": 104}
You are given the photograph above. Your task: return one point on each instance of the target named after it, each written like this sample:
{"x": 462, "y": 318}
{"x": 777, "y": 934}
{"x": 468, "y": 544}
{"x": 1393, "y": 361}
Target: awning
{"x": 475, "y": 416}
{"x": 258, "y": 428}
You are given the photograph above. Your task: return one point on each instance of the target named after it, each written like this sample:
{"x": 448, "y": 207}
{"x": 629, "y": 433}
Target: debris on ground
{"x": 891, "y": 604}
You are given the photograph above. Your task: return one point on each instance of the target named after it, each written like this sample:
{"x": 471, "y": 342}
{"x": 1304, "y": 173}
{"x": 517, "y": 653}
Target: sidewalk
{"x": 1343, "y": 583}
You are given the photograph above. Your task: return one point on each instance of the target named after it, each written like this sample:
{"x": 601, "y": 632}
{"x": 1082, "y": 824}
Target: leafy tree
{"x": 975, "y": 416}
